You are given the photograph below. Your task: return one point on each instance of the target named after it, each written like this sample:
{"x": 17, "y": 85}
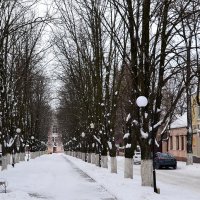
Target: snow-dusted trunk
{"x": 13, "y": 159}
{"x": 147, "y": 172}
{"x": 16, "y": 158}
{"x": 4, "y": 163}
{"x": 89, "y": 158}
{"x": 83, "y": 156}
{"x": 128, "y": 168}
{"x": 93, "y": 158}
{"x": 189, "y": 159}
{"x": 113, "y": 164}
{"x": 8, "y": 159}
{"x": 97, "y": 159}
{"x": 104, "y": 161}
{"x": 22, "y": 157}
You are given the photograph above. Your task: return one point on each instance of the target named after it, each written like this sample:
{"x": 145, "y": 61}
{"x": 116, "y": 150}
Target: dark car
{"x": 164, "y": 160}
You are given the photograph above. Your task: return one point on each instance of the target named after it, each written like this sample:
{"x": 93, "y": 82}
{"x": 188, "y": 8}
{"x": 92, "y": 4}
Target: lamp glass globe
{"x": 92, "y": 125}
{"x": 83, "y": 134}
{"x": 141, "y": 101}
{"x": 18, "y": 130}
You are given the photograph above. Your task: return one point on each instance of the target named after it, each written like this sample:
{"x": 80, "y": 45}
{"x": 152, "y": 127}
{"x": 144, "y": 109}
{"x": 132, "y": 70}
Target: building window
{"x": 182, "y": 143}
{"x": 171, "y": 143}
{"x": 55, "y": 129}
{"x": 177, "y": 142}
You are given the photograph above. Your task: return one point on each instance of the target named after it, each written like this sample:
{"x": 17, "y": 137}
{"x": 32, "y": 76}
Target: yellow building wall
{"x": 195, "y": 126}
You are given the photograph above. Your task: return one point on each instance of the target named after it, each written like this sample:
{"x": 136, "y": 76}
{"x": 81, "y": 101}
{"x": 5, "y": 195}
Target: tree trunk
{"x": 97, "y": 159}
{"x": 104, "y": 161}
{"x": 113, "y": 163}
{"x": 4, "y": 163}
{"x": 89, "y": 158}
{"x": 147, "y": 172}
{"x": 93, "y": 158}
{"x": 128, "y": 168}
{"x": 189, "y": 159}
{"x": 8, "y": 159}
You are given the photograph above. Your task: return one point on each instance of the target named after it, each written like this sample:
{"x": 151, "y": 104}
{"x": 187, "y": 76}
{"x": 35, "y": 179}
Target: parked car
{"x": 137, "y": 157}
{"x": 164, "y": 160}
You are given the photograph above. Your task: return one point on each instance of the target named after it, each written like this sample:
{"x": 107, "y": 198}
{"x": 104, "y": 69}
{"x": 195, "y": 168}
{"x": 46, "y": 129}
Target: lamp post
{"x": 92, "y": 125}
{"x": 18, "y": 130}
{"x": 142, "y": 101}
{"x": 84, "y": 145}
{"x": 91, "y": 156}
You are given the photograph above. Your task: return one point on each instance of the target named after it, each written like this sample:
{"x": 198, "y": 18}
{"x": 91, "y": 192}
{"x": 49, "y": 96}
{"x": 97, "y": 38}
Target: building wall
{"x": 196, "y": 145}
{"x": 55, "y": 144}
{"x": 196, "y": 127}
{"x": 177, "y": 143}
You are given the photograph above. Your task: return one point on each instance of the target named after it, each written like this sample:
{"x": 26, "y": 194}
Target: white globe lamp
{"x": 83, "y": 134}
{"x": 18, "y": 130}
{"x": 92, "y": 125}
{"x": 141, "y": 101}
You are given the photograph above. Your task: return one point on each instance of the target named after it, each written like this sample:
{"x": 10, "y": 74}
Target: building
{"x": 196, "y": 129}
{"x": 176, "y": 143}
{"x": 55, "y": 144}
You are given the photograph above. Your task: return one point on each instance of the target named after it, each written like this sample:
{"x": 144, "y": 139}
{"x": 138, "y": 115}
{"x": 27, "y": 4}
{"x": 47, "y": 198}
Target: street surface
{"x": 184, "y": 177}
{"x": 63, "y": 177}
{"x": 54, "y": 177}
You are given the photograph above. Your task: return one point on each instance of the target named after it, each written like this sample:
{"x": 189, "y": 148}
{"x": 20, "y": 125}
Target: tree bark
{"x": 147, "y": 172}
{"x": 128, "y": 168}
{"x": 113, "y": 164}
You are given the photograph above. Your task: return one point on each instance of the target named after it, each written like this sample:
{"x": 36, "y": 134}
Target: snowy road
{"x": 180, "y": 178}
{"x": 62, "y": 177}
{"x": 52, "y": 177}
{"x": 184, "y": 178}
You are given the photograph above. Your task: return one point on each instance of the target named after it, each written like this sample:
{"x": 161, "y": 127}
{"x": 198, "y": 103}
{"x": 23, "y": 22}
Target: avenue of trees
{"x": 114, "y": 51}
{"x": 24, "y": 110}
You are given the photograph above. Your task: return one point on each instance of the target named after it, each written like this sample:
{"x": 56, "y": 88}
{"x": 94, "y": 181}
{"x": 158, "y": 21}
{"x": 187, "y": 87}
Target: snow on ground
{"x": 62, "y": 177}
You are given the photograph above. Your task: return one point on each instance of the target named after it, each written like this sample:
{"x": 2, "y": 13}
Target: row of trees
{"x": 114, "y": 51}
{"x": 24, "y": 109}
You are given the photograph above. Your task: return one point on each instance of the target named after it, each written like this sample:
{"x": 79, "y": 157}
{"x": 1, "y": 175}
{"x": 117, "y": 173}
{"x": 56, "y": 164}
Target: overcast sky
{"x": 51, "y": 68}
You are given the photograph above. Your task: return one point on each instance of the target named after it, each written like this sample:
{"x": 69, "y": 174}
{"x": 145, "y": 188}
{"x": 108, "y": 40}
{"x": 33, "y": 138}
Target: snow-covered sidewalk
{"x": 51, "y": 177}
{"x": 62, "y": 177}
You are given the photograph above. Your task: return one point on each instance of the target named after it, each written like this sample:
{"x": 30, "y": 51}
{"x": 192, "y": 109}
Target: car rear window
{"x": 165, "y": 155}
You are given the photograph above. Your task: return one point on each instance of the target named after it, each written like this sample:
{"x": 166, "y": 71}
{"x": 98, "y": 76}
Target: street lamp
{"x": 92, "y": 125}
{"x": 18, "y": 130}
{"x": 84, "y": 146}
{"x": 91, "y": 156}
{"x": 142, "y": 101}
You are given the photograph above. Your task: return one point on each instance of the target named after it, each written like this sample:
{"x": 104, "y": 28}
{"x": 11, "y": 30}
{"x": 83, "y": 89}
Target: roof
{"x": 180, "y": 122}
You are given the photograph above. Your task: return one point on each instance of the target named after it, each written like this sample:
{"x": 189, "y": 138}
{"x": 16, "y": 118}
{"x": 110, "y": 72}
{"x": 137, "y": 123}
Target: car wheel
{"x": 174, "y": 166}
